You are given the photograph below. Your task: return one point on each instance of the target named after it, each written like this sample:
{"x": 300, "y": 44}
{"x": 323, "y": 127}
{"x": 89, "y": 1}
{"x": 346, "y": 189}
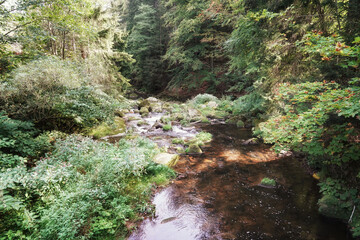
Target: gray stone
{"x": 167, "y": 159}
{"x": 152, "y": 99}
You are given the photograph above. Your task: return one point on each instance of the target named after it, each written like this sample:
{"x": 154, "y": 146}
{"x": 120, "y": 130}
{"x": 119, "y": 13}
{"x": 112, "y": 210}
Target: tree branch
{"x": 17, "y": 27}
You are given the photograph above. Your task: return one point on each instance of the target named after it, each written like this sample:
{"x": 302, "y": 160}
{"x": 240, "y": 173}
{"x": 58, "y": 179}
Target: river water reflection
{"x": 217, "y": 196}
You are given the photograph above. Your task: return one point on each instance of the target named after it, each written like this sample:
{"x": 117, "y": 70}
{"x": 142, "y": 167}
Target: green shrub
{"x": 85, "y": 189}
{"x": 203, "y": 98}
{"x": 338, "y": 201}
{"x": 55, "y": 94}
{"x": 85, "y": 106}
{"x": 19, "y": 140}
{"x": 250, "y": 105}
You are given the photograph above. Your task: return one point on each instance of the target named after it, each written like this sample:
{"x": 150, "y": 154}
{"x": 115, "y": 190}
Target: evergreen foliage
{"x": 146, "y": 46}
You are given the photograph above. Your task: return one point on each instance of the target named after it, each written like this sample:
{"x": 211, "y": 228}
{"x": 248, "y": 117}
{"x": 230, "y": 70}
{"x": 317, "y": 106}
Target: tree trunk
{"x": 63, "y": 45}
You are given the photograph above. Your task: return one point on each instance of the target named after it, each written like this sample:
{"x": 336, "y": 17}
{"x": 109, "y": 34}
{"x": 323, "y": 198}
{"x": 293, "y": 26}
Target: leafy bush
{"x": 84, "y": 189}
{"x": 19, "y": 140}
{"x": 203, "y": 98}
{"x": 340, "y": 201}
{"x": 320, "y": 117}
{"x": 321, "y": 120}
{"x": 55, "y": 94}
{"x": 85, "y": 106}
{"x": 250, "y": 105}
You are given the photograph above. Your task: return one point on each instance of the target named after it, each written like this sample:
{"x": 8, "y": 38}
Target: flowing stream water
{"x": 218, "y": 195}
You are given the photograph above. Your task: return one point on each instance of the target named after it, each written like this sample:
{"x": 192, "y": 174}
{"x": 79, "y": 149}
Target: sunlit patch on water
{"x": 247, "y": 157}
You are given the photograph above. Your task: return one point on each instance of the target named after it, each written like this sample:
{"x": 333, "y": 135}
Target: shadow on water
{"x": 217, "y": 196}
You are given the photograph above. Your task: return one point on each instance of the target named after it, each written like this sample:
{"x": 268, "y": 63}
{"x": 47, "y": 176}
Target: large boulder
{"x": 156, "y": 107}
{"x": 144, "y": 111}
{"x": 106, "y": 129}
{"x": 152, "y": 104}
{"x": 144, "y": 103}
{"x": 167, "y": 159}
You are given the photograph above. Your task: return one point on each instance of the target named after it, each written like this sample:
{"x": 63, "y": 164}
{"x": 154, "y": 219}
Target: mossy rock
{"x": 167, "y": 127}
{"x": 144, "y": 111}
{"x": 144, "y": 103}
{"x": 119, "y": 113}
{"x": 255, "y": 123}
{"x": 194, "y": 148}
{"x": 133, "y": 96}
{"x": 142, "y": 123}
{"x": 125, "y": 111}
{"x": 167, "y": 159}
{"x": 165, "y": 119}
{"x": 194, "y": 113}
{"x": 132, "y": 119}
{"x": 178, "y": 116}
{"x": 167, "y": 107}
{"x": 205, "y": 120}
{"x": 268, "y": 182}
{"x": 156, "y": 107}
{"x": 180, "y": 150}
{"x": 232, "y": 120}
{"x": 330, "y": 206}
{"x": 177, "y": 141}
{"x": 240, "y": 124}
{"x": 106, "y": 129}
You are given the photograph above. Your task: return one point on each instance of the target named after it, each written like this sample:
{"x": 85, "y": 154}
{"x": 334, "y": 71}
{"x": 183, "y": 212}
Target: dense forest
{"x": 287, "y": 69}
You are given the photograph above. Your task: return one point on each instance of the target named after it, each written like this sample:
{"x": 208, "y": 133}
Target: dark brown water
{"x": 217, "y": 196}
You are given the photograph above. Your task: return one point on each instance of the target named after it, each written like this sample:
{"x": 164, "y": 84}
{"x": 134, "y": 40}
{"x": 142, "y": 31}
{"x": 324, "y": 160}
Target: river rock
{"x": 133, "y": 96}
{"x": 157, "y": 125}
{"x": 250, "y": 141}
{"x": 240, "y": 124}
{"x": 232, "y": 120}
{"x": 156, "y": 107}
{"x": 194, "y": 148}
{"x": 144, "y": 111}
{"x": 144, "y": 103}
{"x": 194, "y": 113}
{"x": 106, "y": 129}
{"x": 167, "y": 159}
{"x": 152, "y": 99}
{"x": 284, "y": 153}
{"x": 330, "y": 206}
{"x": 119, "y": 113}
{"x": 180, "y": 150}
